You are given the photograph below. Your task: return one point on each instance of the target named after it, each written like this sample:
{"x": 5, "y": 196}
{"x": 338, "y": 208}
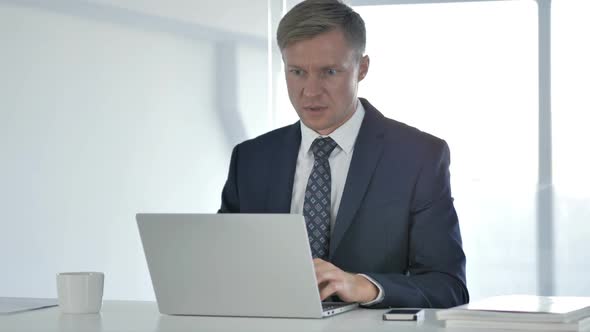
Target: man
{"x": 375, "y": 193}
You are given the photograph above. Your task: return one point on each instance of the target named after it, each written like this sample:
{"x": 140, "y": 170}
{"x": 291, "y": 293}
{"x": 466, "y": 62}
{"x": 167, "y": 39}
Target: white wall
{"x": 103, "y": 116}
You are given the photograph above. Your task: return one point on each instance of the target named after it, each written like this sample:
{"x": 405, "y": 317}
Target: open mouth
{"x": 314, "y": 108}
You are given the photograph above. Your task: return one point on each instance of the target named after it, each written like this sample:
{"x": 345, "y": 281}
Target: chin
{"x": 315, "y": 125}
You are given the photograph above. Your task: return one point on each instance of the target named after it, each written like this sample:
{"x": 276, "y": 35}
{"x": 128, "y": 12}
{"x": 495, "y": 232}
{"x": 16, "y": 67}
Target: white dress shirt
{"x": 345, "y": 137}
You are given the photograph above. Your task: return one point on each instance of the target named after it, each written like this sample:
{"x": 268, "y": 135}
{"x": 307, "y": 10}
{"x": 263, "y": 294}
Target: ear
{"x": 363, "y": 67}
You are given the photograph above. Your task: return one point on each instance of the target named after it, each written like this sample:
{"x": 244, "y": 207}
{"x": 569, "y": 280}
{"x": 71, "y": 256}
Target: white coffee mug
{"x": 80, "y": 292}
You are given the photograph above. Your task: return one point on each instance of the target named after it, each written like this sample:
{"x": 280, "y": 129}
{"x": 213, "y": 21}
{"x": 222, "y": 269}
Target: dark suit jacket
{"x": 396, "y": 221}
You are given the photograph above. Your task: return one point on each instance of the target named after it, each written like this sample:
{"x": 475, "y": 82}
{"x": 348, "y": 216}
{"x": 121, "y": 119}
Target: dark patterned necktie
{"x": 316, "y": 206}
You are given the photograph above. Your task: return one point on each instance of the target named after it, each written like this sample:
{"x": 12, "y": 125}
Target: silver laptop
{"x": 256, "y": 265}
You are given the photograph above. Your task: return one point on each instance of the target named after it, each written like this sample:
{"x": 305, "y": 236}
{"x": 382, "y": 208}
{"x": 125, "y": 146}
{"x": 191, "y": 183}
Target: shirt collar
{"x": 344, "y": 136}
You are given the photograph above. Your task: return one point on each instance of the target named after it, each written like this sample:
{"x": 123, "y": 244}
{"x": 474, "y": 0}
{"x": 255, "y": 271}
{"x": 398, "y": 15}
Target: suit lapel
{"x": 366, "y": 154}
{"x": 282, "y": 171}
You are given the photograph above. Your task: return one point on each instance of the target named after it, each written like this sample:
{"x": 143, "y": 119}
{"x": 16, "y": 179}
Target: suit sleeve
{"x": 230, "y": 201}
{"x": 436, "y": 262}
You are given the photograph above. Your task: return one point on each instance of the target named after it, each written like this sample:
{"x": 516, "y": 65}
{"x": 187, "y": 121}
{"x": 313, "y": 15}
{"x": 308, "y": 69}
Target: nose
{"x": 312, "y": 87}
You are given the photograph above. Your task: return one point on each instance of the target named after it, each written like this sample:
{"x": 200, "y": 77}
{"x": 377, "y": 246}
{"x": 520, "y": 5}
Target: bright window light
{"x": 571, "y": 118}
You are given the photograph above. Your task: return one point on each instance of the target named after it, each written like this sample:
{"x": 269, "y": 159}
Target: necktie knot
{"x": 322, "y": 147}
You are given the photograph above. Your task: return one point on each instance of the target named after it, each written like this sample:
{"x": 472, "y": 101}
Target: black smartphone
{"x": 404, "y": 314}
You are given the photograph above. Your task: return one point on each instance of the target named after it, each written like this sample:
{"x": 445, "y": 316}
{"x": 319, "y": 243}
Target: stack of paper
{"x": 522, "y": 312}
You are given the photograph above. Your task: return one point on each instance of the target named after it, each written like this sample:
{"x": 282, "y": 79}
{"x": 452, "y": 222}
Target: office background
{"x": 109, "y": 108}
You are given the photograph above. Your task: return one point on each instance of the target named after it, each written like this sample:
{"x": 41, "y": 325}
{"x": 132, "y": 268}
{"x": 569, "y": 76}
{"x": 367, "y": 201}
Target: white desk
{"x": 130, "y": 316}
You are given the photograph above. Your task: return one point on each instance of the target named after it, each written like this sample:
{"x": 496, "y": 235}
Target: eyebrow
{"x": 330, "y": 66}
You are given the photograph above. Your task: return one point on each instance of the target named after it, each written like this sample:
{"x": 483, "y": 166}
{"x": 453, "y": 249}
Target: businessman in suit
{"x": 375, "y": 192}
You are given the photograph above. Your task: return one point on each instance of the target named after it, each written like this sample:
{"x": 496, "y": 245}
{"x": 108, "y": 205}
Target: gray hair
{"x": 313, "y": 17}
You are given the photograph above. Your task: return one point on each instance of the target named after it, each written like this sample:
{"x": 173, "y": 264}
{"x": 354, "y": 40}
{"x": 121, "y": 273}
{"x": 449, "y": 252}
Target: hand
{"x": 348, "y": 287}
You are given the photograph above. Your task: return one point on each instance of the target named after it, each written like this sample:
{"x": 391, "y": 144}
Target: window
{"x": 570, "y": 111}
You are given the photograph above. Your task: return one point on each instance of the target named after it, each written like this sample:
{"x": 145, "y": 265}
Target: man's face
{"x": 322, "y": 76}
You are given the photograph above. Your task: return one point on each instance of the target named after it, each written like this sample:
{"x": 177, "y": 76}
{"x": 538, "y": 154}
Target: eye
{"x": 331, "y": 72}
{"x": 296, "y": 72}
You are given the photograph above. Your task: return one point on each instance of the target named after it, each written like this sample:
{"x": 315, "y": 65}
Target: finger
{"x": 326, "y": 272}
{"x": 319, "y": 263}
{"x": 328, "y": 290}
{"x": 321, "y": 266}
{"x": 328, "y": 276}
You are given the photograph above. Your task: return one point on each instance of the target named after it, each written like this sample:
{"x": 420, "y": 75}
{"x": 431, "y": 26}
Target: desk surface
{"x": 144, "y": 316}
